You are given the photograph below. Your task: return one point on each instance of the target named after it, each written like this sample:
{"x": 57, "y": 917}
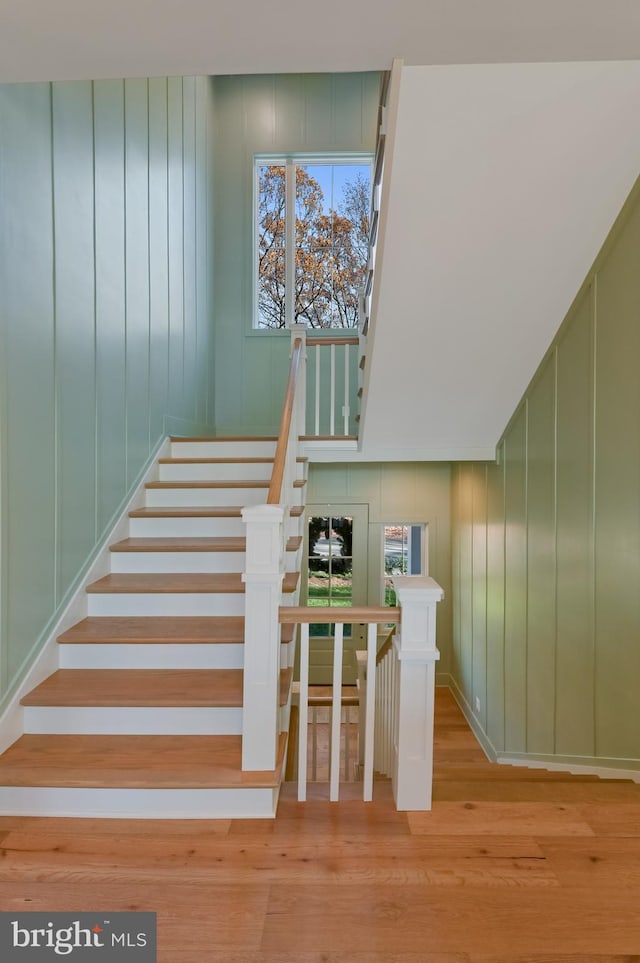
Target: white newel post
{"x": 263, "y": 588}
{"x": 415, "y": 647}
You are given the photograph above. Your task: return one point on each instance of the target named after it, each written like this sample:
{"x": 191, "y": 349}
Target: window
{"x": 310, "y": 268}
{"x": 405, "y": 551}
{"x": 330, "y": 561}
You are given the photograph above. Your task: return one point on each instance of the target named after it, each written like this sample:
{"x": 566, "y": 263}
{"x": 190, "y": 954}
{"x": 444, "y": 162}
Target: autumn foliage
{"x": 330, "y": 251}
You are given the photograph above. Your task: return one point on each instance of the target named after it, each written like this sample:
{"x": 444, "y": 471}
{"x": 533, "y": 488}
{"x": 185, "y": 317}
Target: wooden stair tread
{"x": 197, "y": 511}
{"x": 239, "y": 460}
{"x": 328, "y": 437}
{"x": 133, "y": 762}
{"x": 163, "y": 630}
{"x": 223, "y": 483}
{"x": 145, "y": 687}
{"x": 189, "y": 511}
{"x": 191, "y": 438}
{"x": 214, "y": 544}
{"x": 178, "y": 582}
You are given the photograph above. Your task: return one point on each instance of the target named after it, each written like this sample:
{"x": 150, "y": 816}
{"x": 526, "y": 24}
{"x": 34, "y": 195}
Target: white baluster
{"x": 317, "y": 358}
{"x": 372, "y": 637}
{"x": 333, "y": 391}
{"x": 336, "y": 708}
{"x": 303, "y": 731}
{"x": 347, "y": 349}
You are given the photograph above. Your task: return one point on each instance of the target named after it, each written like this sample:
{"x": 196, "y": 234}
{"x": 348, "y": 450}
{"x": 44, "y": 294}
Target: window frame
{"x": 290, "y": 160}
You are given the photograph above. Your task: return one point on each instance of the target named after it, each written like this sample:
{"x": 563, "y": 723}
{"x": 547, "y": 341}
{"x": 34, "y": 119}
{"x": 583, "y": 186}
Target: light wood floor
{"x": 511, "y": 866}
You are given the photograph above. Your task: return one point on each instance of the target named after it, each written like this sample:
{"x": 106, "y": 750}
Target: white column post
{"x": 263, "y": 589}
{"x": 415, "y": 647}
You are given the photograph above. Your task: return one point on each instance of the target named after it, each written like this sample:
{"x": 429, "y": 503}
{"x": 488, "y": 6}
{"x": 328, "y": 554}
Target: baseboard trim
{"x": 43, "y": 659}
{"x": 476, "y": 728}
{"x": 578, "y": 765}
{"x": 605, "y": 768}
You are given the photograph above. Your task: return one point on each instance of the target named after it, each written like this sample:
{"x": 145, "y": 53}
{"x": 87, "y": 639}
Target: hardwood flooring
{"x": 511, "y": 866}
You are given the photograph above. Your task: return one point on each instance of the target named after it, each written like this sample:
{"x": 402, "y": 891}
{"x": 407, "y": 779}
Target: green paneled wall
{"x": 407, "y": 493}
{"x": 105, "y": 318}
{"x": 553, "y": 606}
{"x": 260, "y": 114}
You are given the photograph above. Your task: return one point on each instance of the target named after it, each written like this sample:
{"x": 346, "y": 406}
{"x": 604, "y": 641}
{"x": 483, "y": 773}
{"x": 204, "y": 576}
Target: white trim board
{"x": 576, "y": 765}
{"x": 46, "y": 660}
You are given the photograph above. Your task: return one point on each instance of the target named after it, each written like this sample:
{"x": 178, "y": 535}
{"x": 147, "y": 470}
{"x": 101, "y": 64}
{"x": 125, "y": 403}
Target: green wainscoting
{"x": 105, "y": 318}
{"x": 546, "y": 542}
{"x": 320, "y": 113}
{"x": 408, "y": 493}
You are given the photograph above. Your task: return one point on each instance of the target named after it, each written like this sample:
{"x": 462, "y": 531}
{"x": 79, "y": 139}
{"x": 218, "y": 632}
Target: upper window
{"x": 311, "y": 267}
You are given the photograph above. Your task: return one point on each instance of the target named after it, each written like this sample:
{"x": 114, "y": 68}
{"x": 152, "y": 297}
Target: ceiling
{"x": 76, "y": 39}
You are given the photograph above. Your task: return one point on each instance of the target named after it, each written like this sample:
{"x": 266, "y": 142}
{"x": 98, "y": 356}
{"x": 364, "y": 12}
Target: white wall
{"x": 505, "y": 181}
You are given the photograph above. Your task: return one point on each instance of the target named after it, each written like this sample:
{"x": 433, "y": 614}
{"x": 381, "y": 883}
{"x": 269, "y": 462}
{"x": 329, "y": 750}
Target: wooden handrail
{"x": 364, "y": 614}
{"x": 333, "y": 339}
{"x": 386, "y": 646}
{"x": 277, "y": 475}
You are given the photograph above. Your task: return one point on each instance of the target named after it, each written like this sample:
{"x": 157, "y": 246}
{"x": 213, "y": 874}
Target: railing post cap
{"x": 417, "y": 588}
{"x": 263, "y": 513}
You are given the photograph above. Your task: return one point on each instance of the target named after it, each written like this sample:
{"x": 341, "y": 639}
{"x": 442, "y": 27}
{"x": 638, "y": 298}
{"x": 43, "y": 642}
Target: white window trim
{"x": 289, "y": 161}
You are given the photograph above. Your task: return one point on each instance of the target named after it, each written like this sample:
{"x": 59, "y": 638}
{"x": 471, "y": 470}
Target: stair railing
{"x": 397, "y": 707}
{"x": 267, "y": 528}
{"x": 333, "y": 385}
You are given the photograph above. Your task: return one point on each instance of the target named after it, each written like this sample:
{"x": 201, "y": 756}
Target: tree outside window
{"x": 331, "y": 243}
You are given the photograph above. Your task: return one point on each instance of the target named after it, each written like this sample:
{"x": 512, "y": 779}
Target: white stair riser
{"x": 133, "y": 720}
{"x": 216, "y": 471}
{"x": 165, "y": 603}
{"x": 223, "y": 449}
{"x": 156, "y": 562}
{"x": 164, "y": 656}
{"x": 139, "y": 803}
{"x": 203, "y": 562}
{"x": 204, "y": 497}
{"x": 186, "y": 527}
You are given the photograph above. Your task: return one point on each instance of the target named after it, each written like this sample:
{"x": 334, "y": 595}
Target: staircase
{"x": 143, "y": 717}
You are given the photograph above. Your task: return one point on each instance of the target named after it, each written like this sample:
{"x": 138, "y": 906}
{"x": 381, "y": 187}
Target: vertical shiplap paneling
{"x": 617, "y": 478}
{"x": 73, "y": 200}
{"x": 574, "y": 678}
{"x": 76, "y": 333}
{"x": 158, "y": 258}
{"x": 203, "y": 322}
{"x": 515, "y": 614}
{"x": 463, "y": 670}
{"x": 456, "y": 571}
{"x": 407, "y": 493}
{"x": 189, "y": 249}
{"x": 110, "y": 297}
{"x": 541, "y": 560}
{"x": 27, "y": 343}
{"x": 479, "y": 592}
{"x": 355, "y": 103}
{"x": 495, "y": 601}
{"x": 319, "y": 105}
{"x": 137, "y": 273}
{"x": 254, "y": 115}
{"x": 288, "y": 111}
{"x": 176, "y": 245}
